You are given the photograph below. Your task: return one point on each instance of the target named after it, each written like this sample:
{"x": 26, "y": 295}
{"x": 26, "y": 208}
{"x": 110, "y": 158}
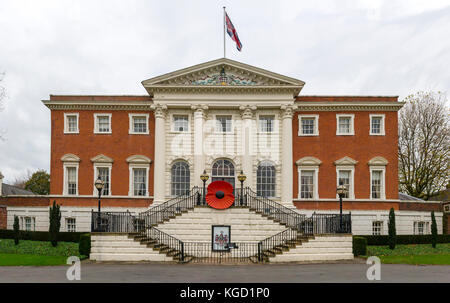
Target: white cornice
{"x": 95, "y": 105}
{"x": 349, "y": 106}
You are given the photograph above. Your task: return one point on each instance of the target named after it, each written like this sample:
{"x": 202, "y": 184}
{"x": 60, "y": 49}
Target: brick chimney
{"x": 1, "y": 182}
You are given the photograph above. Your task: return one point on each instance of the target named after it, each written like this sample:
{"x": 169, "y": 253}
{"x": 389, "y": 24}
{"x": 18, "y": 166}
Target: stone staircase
{"x": 125, "y": 247}
{"x": 313, "y": 248}
{"x": 180, "y": 230}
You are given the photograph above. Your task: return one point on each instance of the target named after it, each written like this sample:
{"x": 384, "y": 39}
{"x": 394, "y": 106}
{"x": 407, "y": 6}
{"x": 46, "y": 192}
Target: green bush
{"x": 434, "y": 231}
{"x": 404, "y": 239}
{"x": 84, "y": 246}
{"x": 41, "y": 235}
{"x": 55, "y": 223}
{"x": 359, "y": 246}
{"x": 392, "y": 229}
{"x": 16, "y": 230}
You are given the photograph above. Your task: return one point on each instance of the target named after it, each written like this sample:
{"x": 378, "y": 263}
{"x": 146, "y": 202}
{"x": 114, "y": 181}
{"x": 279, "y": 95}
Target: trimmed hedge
{"x": 359, "y": 246}
{"x": 84, "y": 247}
{"x": 41, "y": 235}
{"x": 405, "y": 239}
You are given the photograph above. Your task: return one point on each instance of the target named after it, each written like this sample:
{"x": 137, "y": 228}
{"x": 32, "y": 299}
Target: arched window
{"x": 223, "y": 170}
{"x": 265, "y": 180}
{"x": 181, "y": 178}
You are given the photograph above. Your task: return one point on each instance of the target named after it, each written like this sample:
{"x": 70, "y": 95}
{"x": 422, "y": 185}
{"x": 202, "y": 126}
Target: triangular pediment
{"x": 222, "y": 73}
{"x": 70, "y": 158}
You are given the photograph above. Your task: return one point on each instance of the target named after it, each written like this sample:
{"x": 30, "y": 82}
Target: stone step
{"x": 123, "y": 250}
{"x": 319, "y": 250}
{"x": 129, "y": 257}
{"x": 326, "y": 244}
{"x": 131, "y": 243}
{"x": 310, "y": 257}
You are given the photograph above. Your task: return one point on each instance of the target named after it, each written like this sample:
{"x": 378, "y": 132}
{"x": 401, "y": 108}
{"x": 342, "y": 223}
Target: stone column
{"x": 159, "y": 188}
{"x": 287, "y": 112}
{"x": 247, "y": 113}
{"x": 199, "y": 155}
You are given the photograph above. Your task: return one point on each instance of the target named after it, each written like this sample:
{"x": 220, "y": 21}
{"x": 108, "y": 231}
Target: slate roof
{"x": 406, "y": 197}
{"x": 9, "y": 190}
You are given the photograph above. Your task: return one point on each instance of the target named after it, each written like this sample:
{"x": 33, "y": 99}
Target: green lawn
{"x": 30, "y": 260}
{"x": 35, "y": 253}
{"x": 412, "y": 254}
{"x": 40, "y": 248}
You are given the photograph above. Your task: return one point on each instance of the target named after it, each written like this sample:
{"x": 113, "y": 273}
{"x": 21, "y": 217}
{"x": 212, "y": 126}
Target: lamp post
{"x": 241, "y": 178}
{"x": 204, "y": 177}
{"x": 99, "y": 185}
{"x": 341, "y": 191}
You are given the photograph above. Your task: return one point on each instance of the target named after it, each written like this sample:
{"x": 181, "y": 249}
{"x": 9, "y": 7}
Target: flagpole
{"x": 224, "y": 31}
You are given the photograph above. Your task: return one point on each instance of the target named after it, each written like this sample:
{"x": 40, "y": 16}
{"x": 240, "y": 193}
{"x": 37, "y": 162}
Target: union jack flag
{"x": 232, "y": 32}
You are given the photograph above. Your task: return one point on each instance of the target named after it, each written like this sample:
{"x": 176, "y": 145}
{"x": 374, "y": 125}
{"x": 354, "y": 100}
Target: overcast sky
{"x": 371, "y": 47}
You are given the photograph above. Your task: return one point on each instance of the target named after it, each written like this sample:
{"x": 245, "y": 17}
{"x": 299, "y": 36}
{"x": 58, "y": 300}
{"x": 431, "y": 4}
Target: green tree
{"x": 434, "y": 232}
{"x": 55, "y": 223}
{"x": 39, "y": 183}
{"x": 16, "y": 230}
{"x": 392, "y": 231}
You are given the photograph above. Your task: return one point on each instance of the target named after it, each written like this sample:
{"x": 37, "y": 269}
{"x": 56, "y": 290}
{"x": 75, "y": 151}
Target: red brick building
{"x": 224, "y": 117}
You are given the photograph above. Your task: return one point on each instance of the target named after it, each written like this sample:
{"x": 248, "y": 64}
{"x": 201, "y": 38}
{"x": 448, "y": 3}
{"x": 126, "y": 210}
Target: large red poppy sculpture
{"x": 220, "y": 195}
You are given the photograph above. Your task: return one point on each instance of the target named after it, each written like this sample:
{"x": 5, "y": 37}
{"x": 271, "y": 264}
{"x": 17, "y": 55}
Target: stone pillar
{"x": 199, "y": 155}
{"x": 247, "y": 113}
{"x": 159, "y": 188}
{"x": 287, "y": 112}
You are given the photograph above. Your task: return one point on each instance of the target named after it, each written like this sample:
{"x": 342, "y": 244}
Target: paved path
{"x": 193, "y": 273}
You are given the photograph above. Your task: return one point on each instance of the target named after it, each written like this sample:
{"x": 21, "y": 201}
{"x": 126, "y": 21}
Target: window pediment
{"x": 345, "y": 161}
{"x": 70, "y": 158}
{"x": 102, "y": 159}
{"x": 139, "y": 159}
{"x": 308, "y": 161}
{"x": 378, "y": 161}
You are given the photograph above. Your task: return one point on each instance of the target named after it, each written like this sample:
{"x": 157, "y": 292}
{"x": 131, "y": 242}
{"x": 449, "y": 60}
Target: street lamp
{"x": 341, "y": 191}
{"x": 241, "y": 178}
{"x": 99, "y": 185}
{"x": 204, "y": 177}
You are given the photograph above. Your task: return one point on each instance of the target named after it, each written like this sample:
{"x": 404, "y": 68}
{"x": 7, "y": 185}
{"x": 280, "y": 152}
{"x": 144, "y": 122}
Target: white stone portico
{"x": 215, "y": 89}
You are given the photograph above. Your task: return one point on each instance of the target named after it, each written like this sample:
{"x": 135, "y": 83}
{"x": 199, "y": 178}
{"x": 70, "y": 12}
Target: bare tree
{"x": 22, "y": 180}
{"x": 424, "y": 144}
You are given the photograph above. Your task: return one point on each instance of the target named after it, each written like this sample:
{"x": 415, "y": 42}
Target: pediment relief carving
{"x": 222, "y": 72}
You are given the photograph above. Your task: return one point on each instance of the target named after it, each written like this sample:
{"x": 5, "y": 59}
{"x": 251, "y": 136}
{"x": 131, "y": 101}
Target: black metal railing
{"x": 319, "y": 224}
{"x": 163, "y": 242}
{"x": 171, "y": 208}
{"x": 270, "y": 208}
{"x": 113, "y": 222}
{"x": 277, "y": 243}
{"x": 201, "y": 252}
